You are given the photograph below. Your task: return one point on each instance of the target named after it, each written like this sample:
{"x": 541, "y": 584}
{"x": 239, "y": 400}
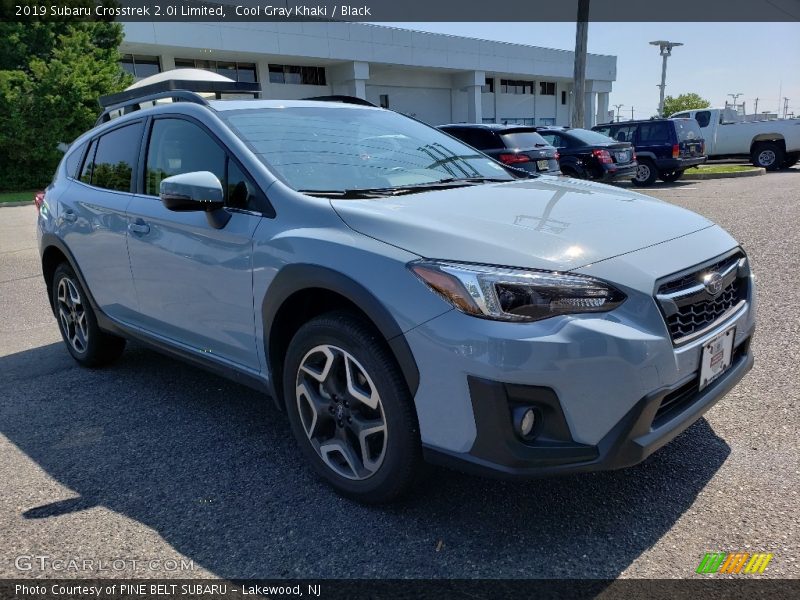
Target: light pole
{"x": 666, "y": 51}
{"x": 735, "y": 97}
{"x": 618, "y": 106}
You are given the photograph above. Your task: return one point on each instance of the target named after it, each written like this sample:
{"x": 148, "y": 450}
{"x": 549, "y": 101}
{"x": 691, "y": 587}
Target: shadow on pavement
{"x": 212, "y": 467}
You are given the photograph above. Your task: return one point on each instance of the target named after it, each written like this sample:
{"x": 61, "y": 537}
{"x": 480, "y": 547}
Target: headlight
{"x": 515, "y": 294}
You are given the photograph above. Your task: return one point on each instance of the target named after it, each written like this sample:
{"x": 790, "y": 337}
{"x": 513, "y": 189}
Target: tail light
{"x": 603, "y": 156}
{"x": 702, "y": 147}
{"x": 558, "y": 155}
{"x": 38, "y": 200}
{"x": 513, "y": 159}
{"x": 676, "y": 151}
{"x": 633, "y": 155}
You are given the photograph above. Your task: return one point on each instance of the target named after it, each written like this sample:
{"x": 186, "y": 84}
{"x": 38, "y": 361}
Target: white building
{"x": 433, "y": 77}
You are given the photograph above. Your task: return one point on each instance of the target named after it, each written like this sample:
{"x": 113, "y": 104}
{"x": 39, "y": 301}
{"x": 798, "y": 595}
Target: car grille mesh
{"x": 696, "y": 312}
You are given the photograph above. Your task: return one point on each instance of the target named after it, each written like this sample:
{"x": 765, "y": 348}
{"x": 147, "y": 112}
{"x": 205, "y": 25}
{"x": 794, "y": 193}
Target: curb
{"x": 23, "y": 203}
{"x": 750, "y": 173}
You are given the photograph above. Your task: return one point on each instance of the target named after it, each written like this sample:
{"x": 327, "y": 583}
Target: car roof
{"x": 638, "y": 121}
{"x": 227, "y": 105}
{"x": 490, "y": 126}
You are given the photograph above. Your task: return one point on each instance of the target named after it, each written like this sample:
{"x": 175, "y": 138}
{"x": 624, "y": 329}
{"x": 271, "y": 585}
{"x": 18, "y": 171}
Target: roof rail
{"x": 343, "y": 100}
{"x": 178, "y": 90}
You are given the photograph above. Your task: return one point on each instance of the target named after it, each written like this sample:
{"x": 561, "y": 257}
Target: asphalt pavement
{"x": 171, "y": 471}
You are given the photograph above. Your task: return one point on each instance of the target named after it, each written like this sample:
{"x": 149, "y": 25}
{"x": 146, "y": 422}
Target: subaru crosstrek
{"x": 403, "y": 297}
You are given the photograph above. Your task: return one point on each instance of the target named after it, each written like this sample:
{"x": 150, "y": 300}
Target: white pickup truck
{"x": 772, "y": 144}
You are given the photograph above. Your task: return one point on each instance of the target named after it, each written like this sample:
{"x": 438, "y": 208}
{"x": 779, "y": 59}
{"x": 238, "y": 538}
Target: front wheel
{"x": 671, "y": 176}
{"x": 350, "y": 409}
{"x": 77, "y": 322}
{"x": 768, "y": 155}
{"x": 646, "y": 174}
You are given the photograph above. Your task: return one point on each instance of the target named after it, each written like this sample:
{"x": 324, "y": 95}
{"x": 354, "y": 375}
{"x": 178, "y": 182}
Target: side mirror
{"x": 196, "y": 191}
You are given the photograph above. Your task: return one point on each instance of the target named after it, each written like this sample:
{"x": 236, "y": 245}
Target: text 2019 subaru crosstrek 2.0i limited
{"x": 402, "y": 296}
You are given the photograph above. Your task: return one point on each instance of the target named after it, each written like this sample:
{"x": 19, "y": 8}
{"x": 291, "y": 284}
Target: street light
{"x": 735, "y": 97}
{"x": 666, "y": 51}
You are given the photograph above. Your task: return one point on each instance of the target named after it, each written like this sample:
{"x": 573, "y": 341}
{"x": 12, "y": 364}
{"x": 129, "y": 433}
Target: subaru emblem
{"x": 713, "y": 283}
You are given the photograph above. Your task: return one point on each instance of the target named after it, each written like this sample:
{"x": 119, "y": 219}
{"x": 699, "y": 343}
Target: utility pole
{"x": 665, "y": 48}
{"x": 785, "y": 106}
{"x": 631, "y": 113}
{"x": 579, "y": 74}
{"x": 755, "y": 107}
{"x": 618, "y": 106}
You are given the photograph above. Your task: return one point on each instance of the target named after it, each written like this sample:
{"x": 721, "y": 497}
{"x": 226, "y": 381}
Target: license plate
{"x": 542, "y": 165}
{"x": 716, "y": 357}
{"x": 623, "y": 157}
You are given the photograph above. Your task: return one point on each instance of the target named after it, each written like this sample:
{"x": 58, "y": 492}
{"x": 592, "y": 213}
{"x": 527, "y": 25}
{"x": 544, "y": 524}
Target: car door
{"x": 92, "y": 220}
{"x": 194, "y": 281}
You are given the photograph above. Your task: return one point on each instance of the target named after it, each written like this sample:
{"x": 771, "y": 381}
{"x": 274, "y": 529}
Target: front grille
{"x": 689, "y": 308}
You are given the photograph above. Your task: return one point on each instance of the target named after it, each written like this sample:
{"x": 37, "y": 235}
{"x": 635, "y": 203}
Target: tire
{"x": 87, "y": 344}
{"x": 340, "y": 380}
{"x": 767, "y": 155}
{"x": 646, "y": 174}
{"x": 569, "y": 172}
{"x": 671, "y": 176}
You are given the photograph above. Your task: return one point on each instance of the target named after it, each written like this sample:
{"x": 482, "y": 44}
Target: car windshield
{"x": 688, "y": 130}
{"x": 336, "y": 149}
{"x": 523, "y": 139}
{"x": 589, "y": 137}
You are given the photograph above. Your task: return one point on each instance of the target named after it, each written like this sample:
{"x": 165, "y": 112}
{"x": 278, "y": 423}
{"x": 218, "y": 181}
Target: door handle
{"x": 69, "y": 215}
{"x": 139, "y": 227}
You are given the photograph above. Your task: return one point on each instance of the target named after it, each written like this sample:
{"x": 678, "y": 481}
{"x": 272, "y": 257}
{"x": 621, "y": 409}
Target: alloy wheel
{"x": 341, "y": 412}
{"x": 72, "y": 315}
{"x": 642, "y": 172}
{"x": 766, "y": 158}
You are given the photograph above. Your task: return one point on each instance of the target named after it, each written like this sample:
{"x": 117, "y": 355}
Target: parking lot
{"x": 154, "y": 460}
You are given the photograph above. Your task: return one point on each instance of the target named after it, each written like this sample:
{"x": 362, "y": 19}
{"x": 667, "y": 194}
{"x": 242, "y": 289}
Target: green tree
{"x": 684, "y": 102}
{"x": 51, "y": 75}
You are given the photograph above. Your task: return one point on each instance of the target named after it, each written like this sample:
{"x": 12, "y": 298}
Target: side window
{"x": 484, "y": 140}
{"x": 625, "y": 134}
{"x": 653, "y": 133}
{"x": 178, "y": 146}
{"x": 703, "y": 117}
{"x": 680, "y": 116}
{"x": 552, "y": 138}
{"x": 115, "y": 158}
{"x": 73, "y": 161}
{"x": 604, "y": 130}
{"x": 88, "y": 163}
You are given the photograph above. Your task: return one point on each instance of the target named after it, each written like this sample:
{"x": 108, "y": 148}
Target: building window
{"x": 140, "y": 66}
{"x": 517, "y": 121}
{"x": 488, "y": 87}
{"x": 547, "y": 121}
{"x": 547, "y": 88}
{"x": 516, "y": 86}
{"x": 297, "y": 75}
{"x": 563, "y": 97}
{"x": 237, "y": 71}
{"x": 384, "y": 100}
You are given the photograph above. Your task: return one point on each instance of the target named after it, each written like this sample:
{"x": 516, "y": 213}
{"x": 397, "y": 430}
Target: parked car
{"x": 587, "y": 154}
{"x": 401, "y": 297}
{"x": 665, "y": 148}
{"x": 513, "y": 145}
{"x": 772, "y": 144}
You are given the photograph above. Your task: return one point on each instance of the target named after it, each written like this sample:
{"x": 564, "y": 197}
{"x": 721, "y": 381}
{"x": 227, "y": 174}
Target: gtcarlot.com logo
{"x": 40, "y": 562}
{"x": 734, "y": 562}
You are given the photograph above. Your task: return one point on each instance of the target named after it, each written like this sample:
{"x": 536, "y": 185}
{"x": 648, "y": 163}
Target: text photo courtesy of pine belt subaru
{"x": 403, "y": 297}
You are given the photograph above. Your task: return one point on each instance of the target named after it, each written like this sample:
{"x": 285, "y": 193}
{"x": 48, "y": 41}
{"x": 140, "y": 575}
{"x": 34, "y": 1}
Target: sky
{"x": 758, "y": 60}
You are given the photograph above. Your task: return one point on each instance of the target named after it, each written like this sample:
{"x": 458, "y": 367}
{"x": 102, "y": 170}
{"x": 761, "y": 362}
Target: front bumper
{"x": 643, "y": 430}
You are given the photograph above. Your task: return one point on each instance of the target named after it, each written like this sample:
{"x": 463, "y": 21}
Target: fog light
{"x": 524, "y": 421}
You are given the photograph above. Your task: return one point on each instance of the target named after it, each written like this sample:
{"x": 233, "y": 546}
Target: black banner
{"x": 415, "y": 589}
{"x": 404, "y": 10}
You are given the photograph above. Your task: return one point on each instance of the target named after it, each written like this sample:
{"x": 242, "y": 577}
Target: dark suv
{"x": 590, "y": 155}
{"x": 516, "y": 146}
{"x": 665, "y": 147}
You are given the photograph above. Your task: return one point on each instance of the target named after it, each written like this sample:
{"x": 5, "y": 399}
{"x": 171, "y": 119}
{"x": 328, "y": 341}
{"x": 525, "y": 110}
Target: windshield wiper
{"x": 366, "y": 193}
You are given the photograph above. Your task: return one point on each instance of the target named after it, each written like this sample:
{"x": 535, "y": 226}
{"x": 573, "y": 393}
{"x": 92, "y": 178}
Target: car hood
{"x": 545, "y": 223}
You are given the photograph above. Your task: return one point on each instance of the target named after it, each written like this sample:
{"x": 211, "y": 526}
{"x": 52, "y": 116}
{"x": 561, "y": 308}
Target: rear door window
{"x": 625, "y": 133}
{"x": 553, "y": 139}
{"x": 703, "y": 117}
{"x": 115, "y": 158}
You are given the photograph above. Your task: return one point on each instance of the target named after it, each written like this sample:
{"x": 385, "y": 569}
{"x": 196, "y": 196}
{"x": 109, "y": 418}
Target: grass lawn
{"x": 720, "y": 169}
{"x": 17, "y": 196}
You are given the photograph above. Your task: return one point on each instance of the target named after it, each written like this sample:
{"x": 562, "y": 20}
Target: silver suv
{"x": 403, "y": 297}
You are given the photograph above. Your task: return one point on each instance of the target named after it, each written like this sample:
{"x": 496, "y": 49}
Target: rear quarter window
{"x": 72, "y": 162}
{"x": 654, "y": 133}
